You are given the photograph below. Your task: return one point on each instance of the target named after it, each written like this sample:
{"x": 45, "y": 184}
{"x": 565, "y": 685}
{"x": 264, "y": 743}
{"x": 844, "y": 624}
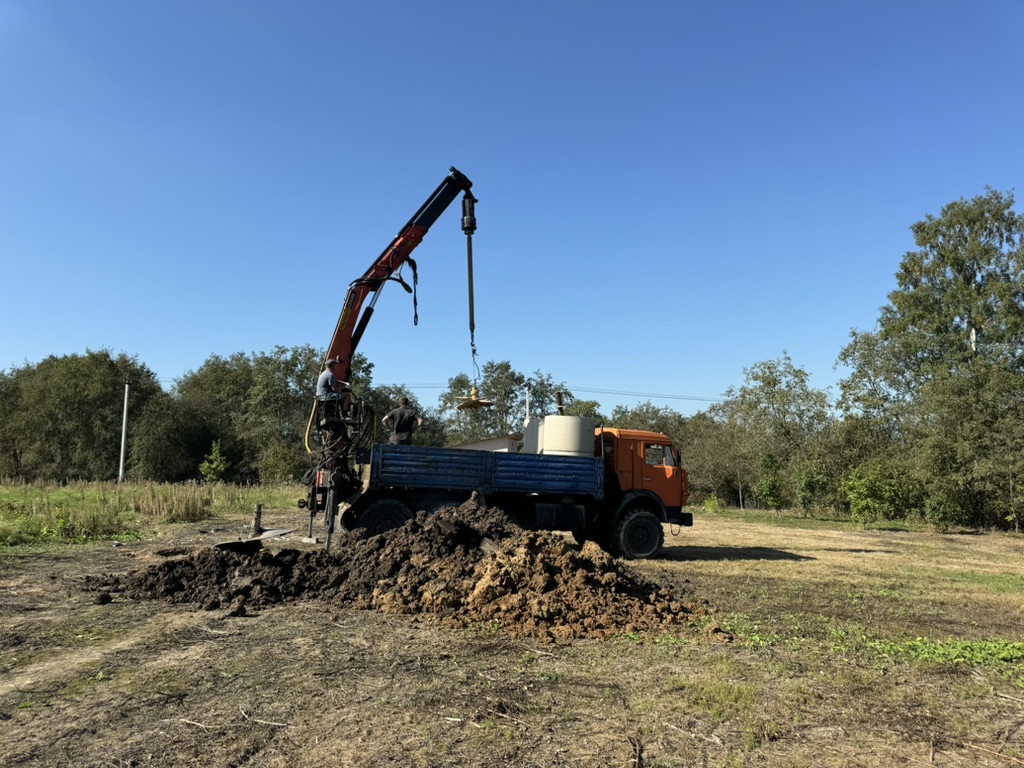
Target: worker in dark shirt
{"x": 330, "y": 387}
{"x": 402, "y": 421}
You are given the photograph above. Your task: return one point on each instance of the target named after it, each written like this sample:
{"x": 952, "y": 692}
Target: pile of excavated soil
{"x": 458, "y": 565}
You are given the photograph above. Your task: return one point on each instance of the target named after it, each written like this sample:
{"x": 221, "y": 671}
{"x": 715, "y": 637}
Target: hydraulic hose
{"x": 309, "y": 428}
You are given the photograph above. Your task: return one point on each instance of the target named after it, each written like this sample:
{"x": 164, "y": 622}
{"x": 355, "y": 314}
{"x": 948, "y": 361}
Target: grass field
{"x": 846, "y": 647}
{"x": 79, "y": 512}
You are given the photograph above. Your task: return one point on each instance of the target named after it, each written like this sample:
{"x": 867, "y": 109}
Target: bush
{"x": 882, "y": 491}
{"x": 215, "y": 466}
{"x": 809, "y": 486}
{"x": 712, "y": 504}
{"x": 769, "y": 486}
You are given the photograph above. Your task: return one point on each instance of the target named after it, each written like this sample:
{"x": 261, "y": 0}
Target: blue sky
{"x": 670, "y": 192}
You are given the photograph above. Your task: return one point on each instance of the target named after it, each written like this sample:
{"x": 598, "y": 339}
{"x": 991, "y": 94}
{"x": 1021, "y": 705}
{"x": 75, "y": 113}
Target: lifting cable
{"x": 469, "y": 227}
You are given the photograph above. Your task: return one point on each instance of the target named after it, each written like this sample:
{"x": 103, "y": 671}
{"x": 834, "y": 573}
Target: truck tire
{"x": 383, "y": 515}
{"x": 638, "y": 535}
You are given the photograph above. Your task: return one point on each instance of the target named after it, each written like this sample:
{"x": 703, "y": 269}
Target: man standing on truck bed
{"x": 405, "y": 421}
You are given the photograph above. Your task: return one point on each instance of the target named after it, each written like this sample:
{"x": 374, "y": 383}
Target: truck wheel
{"x": 383, "y": 515}
{"x": 638, "y": 535}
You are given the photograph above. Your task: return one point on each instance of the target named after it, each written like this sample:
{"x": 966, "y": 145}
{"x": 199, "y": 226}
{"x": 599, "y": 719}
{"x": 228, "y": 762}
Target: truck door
{"x": 659, "y": 473}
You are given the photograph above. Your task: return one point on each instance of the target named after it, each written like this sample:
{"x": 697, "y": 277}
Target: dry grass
{"x": 807, "y": 680}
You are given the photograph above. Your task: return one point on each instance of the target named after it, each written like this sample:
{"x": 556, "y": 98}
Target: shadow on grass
{"x": 730, "y": 553}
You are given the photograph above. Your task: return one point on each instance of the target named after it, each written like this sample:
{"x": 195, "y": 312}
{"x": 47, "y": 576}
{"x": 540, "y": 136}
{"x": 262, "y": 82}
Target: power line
{"x": 650, "y": 395}
{"x": 593, "y": 390}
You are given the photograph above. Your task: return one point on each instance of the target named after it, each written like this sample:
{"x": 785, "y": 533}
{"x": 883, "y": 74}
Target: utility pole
{"x": 124, "y": 432}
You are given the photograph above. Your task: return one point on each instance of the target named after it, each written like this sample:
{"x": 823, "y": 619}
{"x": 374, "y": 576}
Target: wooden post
{"x": 257, "y": 521}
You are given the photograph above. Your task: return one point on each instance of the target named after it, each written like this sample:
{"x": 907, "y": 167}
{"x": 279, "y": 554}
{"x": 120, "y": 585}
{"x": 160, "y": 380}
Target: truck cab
{"x": 645, "y": 486}
{"x": 647, "y": 461}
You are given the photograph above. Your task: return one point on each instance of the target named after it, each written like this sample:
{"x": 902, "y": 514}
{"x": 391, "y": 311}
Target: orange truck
{"x": 620, "y": 495}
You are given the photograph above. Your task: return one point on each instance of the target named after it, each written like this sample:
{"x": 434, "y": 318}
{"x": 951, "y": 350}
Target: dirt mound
{"x": 458, "y": 565}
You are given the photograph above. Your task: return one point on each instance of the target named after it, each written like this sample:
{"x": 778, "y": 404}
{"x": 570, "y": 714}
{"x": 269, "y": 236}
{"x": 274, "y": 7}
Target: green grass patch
{"x": 747, "y": 631}
{"x": 733, "y": 701}
{"x": 955, "y": 580}
{"x": 1002, "y": 583}
{"x": 1003, "y": 656}
{"x": 795, "y": 518}
{"x": 951, "y": 652}
{"x": 35, "y": 514}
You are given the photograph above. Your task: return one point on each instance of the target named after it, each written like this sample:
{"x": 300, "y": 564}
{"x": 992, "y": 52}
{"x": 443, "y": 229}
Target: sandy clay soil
{"x": 461, "y": 640}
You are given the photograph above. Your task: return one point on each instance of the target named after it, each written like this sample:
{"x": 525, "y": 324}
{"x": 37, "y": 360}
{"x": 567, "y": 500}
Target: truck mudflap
{"x": 679, "y": 517}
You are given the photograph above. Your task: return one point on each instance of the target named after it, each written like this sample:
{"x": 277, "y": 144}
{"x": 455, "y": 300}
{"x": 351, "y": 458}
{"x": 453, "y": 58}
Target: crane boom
{"x": 349, "y": 330}
{"x": 342, "y": 424}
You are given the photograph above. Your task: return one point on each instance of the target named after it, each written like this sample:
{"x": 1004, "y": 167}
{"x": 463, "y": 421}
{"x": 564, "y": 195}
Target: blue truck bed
{"x": 406, "y": 466}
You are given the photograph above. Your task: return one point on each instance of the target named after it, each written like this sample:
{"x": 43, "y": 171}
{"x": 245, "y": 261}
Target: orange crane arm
{"x": 349, "y": 330}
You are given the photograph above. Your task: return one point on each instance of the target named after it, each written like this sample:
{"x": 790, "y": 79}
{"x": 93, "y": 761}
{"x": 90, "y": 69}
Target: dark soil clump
{"x": 459, "y": 565}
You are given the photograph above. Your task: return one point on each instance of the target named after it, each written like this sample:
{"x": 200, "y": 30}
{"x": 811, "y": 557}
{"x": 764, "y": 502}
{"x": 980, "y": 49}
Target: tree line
{"x": 929, "y": 423}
